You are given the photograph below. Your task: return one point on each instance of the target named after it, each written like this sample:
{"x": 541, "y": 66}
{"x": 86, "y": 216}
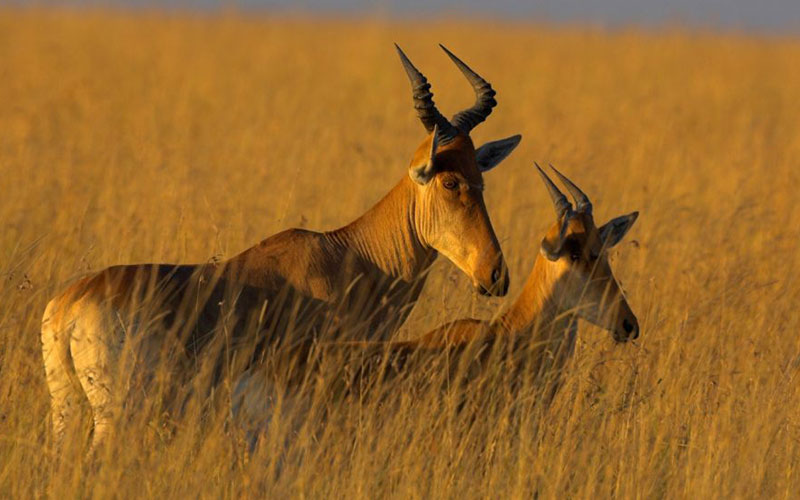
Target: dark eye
{"x": 450, "y": 184}
{"x": 575, "y": 257}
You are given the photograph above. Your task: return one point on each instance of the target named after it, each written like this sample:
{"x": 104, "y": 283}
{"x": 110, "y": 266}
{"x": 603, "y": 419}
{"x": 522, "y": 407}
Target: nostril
{"x": 627, "y": 326}
{"x": 496, "y": 274}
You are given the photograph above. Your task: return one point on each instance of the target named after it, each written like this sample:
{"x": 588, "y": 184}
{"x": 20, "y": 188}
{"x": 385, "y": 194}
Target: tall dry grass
{"x": 177, "y": 137}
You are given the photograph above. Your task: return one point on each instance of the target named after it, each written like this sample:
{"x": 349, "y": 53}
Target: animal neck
{"x": 387, "y": 236}
{"x": 541, "y": 308}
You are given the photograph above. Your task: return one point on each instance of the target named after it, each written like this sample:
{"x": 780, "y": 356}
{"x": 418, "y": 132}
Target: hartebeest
{"x": 359, "y": 278}
{"x": 571, "y": 279}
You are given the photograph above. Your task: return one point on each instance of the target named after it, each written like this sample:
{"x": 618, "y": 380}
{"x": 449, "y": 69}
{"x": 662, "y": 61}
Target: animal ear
{"x": 492, "y": 153}
{"x": 551, "y": 246}
{"x": 422, "y": 174}
{"x": 549, "y": 249}
{"x": 614, "y": 230}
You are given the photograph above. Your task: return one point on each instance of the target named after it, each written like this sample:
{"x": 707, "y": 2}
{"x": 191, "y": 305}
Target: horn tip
{"x": 400, "y": 52}
{"x": 561, "y": 176}
{"x": 450, "y": 54}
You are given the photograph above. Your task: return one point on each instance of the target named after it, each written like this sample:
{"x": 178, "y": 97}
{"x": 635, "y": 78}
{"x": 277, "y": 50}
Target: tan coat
{"x": 137, "y": 324}
{"x": 570, "y": 280}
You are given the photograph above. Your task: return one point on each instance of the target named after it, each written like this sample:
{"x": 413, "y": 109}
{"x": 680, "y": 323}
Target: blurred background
{"x": 767, "y": 16}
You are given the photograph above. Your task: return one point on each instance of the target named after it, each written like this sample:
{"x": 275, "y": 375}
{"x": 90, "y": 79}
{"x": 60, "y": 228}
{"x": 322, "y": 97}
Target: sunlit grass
{"x": 182, "y": 138}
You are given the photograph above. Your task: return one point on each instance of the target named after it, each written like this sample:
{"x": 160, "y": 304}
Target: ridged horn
{"x": 466, "y": 120}
{"x": 560, "y": 202}
{"x": 423, "y": 100}
{"x": 582, "y": 202}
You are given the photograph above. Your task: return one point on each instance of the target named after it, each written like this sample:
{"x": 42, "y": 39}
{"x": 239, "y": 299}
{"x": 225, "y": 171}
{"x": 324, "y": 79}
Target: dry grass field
{"x": 176, "y": 137}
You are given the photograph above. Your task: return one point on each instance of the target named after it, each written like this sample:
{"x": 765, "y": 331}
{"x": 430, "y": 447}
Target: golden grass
{"x": 176, "y": 137}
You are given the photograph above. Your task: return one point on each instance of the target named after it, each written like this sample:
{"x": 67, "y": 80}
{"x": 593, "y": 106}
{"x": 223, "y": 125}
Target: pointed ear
{"x": 422, "y": 174}
{"x": 492, "y": 153}
{"x": 549, "y": 250}
{"x": 614, "y": 230}
{"x": 551, "y": 245}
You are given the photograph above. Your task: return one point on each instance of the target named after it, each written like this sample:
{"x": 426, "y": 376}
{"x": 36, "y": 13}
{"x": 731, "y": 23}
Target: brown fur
{"x": 360, "y": 280}
{"x": 538, "y": 330}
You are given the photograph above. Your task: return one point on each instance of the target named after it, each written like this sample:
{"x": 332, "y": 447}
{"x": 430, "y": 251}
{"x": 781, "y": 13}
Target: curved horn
{"x": 466, "y": 120}
{"x": 560, "y": 202}
{"x": 423, "y": 100}
{"x": 582, "y": 203}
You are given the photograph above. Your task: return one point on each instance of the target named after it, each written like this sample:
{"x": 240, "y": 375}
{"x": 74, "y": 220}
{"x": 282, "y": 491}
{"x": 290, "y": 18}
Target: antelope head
{"x": 576, "y": 251}
{"x": 447, "y": 174}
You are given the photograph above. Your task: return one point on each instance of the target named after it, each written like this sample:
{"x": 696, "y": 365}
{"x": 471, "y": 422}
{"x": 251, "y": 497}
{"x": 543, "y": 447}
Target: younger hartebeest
{"x": 571, "y": 279}
{"x": 360, "y": 279}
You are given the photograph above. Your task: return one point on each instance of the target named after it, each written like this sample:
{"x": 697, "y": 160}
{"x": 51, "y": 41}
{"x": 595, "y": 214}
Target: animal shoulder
{"x": 297, "y": 257}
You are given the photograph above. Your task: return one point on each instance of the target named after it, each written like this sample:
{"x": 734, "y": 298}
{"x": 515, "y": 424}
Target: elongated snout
{"x": 497, "y": 280}
{"x": 627, "y": 327}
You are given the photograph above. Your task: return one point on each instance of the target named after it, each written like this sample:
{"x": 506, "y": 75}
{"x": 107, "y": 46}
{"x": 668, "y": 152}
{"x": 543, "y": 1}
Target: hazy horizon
{"x": 780, "y": 16}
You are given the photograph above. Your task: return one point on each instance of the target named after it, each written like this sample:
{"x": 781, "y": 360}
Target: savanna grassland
{"x": 177, "y": 137}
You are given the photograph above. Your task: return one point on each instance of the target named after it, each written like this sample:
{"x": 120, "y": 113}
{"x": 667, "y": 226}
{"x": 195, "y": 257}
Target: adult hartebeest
{"x": 355, "y": 279}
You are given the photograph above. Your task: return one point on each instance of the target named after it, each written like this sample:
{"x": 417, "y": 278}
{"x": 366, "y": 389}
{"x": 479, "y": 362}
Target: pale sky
{"x": 769, "y": 16}
{"x": 761, "y": 15}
